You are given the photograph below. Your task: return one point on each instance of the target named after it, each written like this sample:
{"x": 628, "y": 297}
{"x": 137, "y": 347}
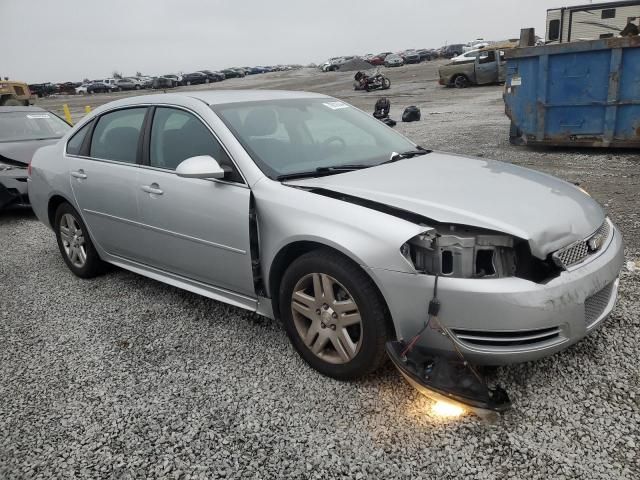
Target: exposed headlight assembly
{"x": 462, "y": 252}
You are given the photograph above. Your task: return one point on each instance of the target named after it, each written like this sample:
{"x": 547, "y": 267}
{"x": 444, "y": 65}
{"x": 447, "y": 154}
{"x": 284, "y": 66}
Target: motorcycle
{"x": 377, "y": 81}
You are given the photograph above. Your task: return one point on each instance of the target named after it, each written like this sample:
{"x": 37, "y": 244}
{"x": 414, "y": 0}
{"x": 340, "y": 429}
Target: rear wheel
{"x": 74, "y": 243}
{"x": 333, "y": 315}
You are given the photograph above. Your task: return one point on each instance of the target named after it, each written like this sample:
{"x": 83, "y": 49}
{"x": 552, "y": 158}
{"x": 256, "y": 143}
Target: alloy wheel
{"x": 327, "y": 318}
{"x": 73, "y": 241}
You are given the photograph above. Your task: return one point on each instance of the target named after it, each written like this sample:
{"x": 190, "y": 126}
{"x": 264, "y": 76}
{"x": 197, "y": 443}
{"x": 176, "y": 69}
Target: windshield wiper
{"x": 322, "y": 171}
{"x": 395, "y": 156}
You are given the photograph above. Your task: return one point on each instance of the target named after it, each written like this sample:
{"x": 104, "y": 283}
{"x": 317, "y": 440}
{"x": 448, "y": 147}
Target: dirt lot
{"x": 123, "y": 377}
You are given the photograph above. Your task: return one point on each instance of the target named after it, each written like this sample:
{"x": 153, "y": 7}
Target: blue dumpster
{"x": 576, "y": 94}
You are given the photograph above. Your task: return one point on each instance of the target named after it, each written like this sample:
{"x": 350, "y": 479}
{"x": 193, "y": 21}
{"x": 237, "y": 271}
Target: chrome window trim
{"x": 171, "y": 105}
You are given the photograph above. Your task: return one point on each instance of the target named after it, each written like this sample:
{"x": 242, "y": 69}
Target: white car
{"x": 82, "y": 89}
{"x": 470, "y": 56}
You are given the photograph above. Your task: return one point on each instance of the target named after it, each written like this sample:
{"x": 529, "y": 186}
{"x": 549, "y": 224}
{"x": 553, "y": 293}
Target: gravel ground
{"x": 124, "y": 377}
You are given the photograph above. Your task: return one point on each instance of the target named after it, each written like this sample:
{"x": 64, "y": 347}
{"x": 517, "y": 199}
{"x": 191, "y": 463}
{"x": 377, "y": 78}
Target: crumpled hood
{"x": 546, "y": 211}
{"x": 22, "y": 152}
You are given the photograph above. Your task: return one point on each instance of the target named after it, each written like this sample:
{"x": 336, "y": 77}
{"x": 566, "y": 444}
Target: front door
{"x": 196, "y": 228}
{"x": 486, "y": 66}
{"x": 104, "y": 179}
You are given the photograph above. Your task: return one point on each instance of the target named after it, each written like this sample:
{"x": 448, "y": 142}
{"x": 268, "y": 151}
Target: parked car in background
{"x": 475, "y": 45}
{"x": 410, "y": 56}
{"x": 43, "y": 89}
{"x": 427, "y": 54}
{"x": 194, "y": 78}
{"x": 331, "y": 65}
{"x": 214, "y": 76}
{"x": 450, "y": 51}
{"x": 68, "y": 88}
{"x": 256, "y": 199}
{"x": 379, "y": 59}
{"x": 163, "y": 82}
{"x": 82, "y": 89}
{"x": 469, "y": 56}
{"x": 232, "y": 73}
{"x": 126, "y": 84}
{"x": 22, "y": 131}
{"x": 147, "y": 82}
{"x": 99, "y": 86}
{"x": 175, "y": 79}
{"x": 488, "y": 67}
{"x": 138, "y": 83}
{"x": 393, "y": 60}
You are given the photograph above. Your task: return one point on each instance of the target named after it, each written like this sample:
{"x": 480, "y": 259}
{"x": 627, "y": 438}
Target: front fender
{"x": 370, "y": 238}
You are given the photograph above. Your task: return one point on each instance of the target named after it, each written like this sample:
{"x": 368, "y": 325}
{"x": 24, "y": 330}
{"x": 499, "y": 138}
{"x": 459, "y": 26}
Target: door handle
{"x": 79, "y": 174}
{"x": 153, "y": 188}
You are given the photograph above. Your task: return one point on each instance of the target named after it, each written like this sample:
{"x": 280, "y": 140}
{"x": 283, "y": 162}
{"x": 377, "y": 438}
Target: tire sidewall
{"x": 93, "y": 266}
{"x": 371, "y": 311}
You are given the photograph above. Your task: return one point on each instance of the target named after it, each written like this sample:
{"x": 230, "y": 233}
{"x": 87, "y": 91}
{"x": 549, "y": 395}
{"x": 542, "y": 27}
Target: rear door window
{"x": 117, "y": 135}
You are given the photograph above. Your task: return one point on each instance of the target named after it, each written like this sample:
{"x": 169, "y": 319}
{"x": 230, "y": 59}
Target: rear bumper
{"x": 509, "y": 320}
{"x": 13, "y": 188}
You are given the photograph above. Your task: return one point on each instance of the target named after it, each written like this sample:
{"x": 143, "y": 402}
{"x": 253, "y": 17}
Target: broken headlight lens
{"x": 462, "y": 252}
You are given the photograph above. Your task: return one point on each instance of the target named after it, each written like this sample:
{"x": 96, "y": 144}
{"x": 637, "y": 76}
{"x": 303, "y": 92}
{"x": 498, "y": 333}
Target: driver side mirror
{"x": 202, "y": 166}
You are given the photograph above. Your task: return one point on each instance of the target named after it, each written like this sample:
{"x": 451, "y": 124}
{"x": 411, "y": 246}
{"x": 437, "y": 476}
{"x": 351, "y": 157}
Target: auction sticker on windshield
{"x": 38, "y": 116}
{"x": 336, "y": 105}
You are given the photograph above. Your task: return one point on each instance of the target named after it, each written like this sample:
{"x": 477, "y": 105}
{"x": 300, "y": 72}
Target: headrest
{"x": 260, "y": 121}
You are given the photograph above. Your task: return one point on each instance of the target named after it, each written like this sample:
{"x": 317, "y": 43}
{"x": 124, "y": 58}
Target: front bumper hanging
{"x": 446, "y": 379}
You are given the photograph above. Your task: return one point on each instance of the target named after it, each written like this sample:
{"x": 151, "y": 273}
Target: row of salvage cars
{"x": 301, "y": 207}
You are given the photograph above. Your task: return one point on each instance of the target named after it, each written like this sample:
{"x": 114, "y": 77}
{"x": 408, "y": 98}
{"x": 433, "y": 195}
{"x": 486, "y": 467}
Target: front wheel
{"x": 334, "y": 315}
{"x": 386, "y": 83}
{"x": 75, "y": 245}
{"x": 460, "y": 82}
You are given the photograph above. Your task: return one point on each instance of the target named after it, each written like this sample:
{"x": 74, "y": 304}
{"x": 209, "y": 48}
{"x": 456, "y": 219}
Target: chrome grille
{"x": 507, "y": 339}
{"x": 595, "y": 305}
{"x": 579, "y": 251}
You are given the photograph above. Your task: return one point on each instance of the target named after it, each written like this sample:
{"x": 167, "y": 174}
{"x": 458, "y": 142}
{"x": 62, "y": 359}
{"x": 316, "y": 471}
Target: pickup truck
{"x": 488, "y": 67}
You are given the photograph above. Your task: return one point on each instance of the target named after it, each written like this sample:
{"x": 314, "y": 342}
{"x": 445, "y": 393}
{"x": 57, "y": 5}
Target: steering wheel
{"x": 335, "y": 139}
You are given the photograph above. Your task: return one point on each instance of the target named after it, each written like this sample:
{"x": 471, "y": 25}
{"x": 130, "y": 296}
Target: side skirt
{"x": 209, "y": 291}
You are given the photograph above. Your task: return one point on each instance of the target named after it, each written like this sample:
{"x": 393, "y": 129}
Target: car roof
{"x": 220, "y": 97}
{"x": 20, "y": 108}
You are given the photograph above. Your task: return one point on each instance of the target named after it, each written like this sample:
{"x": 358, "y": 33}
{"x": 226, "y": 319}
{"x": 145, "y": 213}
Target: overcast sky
{"x": 68, "y": 40}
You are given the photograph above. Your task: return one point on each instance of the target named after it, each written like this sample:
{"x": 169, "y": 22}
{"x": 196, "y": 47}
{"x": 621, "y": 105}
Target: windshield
{"x": 301, "y": 135}
{"x": 30, "y": 125}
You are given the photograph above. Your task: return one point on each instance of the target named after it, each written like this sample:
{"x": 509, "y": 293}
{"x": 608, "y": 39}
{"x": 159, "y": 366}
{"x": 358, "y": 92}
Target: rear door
{"x": 196, "y": 228}
{"x": 103, "y": 174}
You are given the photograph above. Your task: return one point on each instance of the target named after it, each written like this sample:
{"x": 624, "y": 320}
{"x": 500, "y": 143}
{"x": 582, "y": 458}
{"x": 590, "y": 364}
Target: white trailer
{"x": 591, "y": 21}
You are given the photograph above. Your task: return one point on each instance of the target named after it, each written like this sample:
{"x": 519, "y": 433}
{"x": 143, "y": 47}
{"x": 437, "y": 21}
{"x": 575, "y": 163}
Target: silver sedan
{"x": 301, "y": 207}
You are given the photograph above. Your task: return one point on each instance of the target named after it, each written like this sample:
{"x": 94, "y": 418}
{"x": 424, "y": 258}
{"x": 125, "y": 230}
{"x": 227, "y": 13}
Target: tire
{"x": 12, "y": 102}
{"x": 206, "y": 80}
{"x": 460, "y": 81}
{"x": 362, "y": 345}
{"x": 386, "y": 84}
{"x": 137, "y": 87}
{"x": 92, "y": 265}
{"x": 188, "y": 82}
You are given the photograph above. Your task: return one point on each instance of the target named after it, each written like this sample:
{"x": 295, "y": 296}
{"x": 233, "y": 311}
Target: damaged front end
{"x": 447, "y": 380}
{"x": 466, "y": 252}
{"x": 461, "y": 252}
{"x": 442, "y": 378}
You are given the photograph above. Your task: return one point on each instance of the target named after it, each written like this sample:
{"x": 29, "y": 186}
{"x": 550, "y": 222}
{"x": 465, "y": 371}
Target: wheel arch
{"x": 290, "y": 252}
{"x": 52, "y": 206}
